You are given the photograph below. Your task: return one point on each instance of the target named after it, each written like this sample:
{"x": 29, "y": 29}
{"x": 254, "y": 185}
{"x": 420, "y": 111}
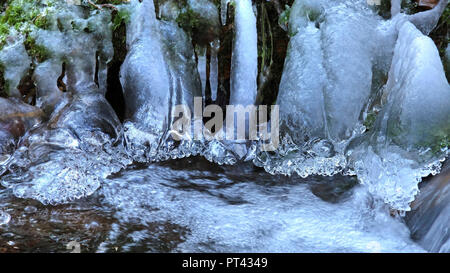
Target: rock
{"x": 208, "y": 27}
{"x": 16, "y": 118}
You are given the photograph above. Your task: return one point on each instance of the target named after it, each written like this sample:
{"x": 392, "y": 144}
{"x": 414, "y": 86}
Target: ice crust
{"x": 339, "y": 57}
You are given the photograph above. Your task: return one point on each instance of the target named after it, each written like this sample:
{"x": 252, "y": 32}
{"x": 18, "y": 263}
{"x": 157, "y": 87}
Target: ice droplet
{"x": 4, "y": 218}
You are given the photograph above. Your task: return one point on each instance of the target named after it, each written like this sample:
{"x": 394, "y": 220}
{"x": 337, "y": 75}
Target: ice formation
{"x": 410, "y": 132}
{"x": 214, "y": 71}
{"x": 244, "y": 67}
{"x": 344, "y": 44}
{"x": 426, "y": 21}
{"x": 159, "y": 72}
{"x": 82, "y": 128}
{"x": 224, "y": 10}
{"x": 320, "y": 114}
{"x": 16, "y": 63}
{"x": 4, "y": 218}
{"x": 359, "y": 95}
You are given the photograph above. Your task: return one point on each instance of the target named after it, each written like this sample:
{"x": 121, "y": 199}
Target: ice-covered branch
{"x": 426, "y": 21}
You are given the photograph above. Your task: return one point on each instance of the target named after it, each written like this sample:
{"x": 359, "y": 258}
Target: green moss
{"x": 20, "y": 12}
{"x": 42, "y": 22}
{"x": 4, "y": 31}
{"x": 445, "y": 143}
{"x": 188, "y": 20}
{"x": 436, "y": 140}
{"x": 122, "y": 17}
{"x": 38, "y": 52}
{"x": 370, "y": 120}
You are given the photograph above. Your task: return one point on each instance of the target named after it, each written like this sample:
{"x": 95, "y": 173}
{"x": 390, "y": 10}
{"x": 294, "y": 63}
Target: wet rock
{"x": 50, "y": 229}
{"x": 332, "y": 189}
{"x": 417, "y": 110}
{"x": 16, "y": 118}
{"x": 208, "y": 27}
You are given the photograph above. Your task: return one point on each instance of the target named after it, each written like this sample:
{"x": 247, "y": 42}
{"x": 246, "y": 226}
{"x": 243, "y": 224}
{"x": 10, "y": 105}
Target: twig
{"x": 100, "y": 7}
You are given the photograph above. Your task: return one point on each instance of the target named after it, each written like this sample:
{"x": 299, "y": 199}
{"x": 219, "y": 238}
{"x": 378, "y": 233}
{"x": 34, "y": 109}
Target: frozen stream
{"x": 92, "y": 149}
{"x": 194, "y": 205}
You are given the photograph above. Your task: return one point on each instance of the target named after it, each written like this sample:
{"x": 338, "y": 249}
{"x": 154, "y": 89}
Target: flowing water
{"x": 364, "y": 116}
{"x": 194, "y": 205}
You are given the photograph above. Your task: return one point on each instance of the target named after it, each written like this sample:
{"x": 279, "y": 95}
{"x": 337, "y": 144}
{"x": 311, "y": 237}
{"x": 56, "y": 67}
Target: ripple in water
{"x": 193, "y": 205}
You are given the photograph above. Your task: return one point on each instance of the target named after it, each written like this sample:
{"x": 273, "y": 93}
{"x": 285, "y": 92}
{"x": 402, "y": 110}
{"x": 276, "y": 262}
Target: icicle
{"x": 395, "y": 7}
{"x": 224, "y": 11}
{"x": 244, "y": 63}
{"x": 214, "y": 70}
{"x": 16, "y": 62}
{"x": 144, "y": 75}
{"x": 201, "y": 66}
